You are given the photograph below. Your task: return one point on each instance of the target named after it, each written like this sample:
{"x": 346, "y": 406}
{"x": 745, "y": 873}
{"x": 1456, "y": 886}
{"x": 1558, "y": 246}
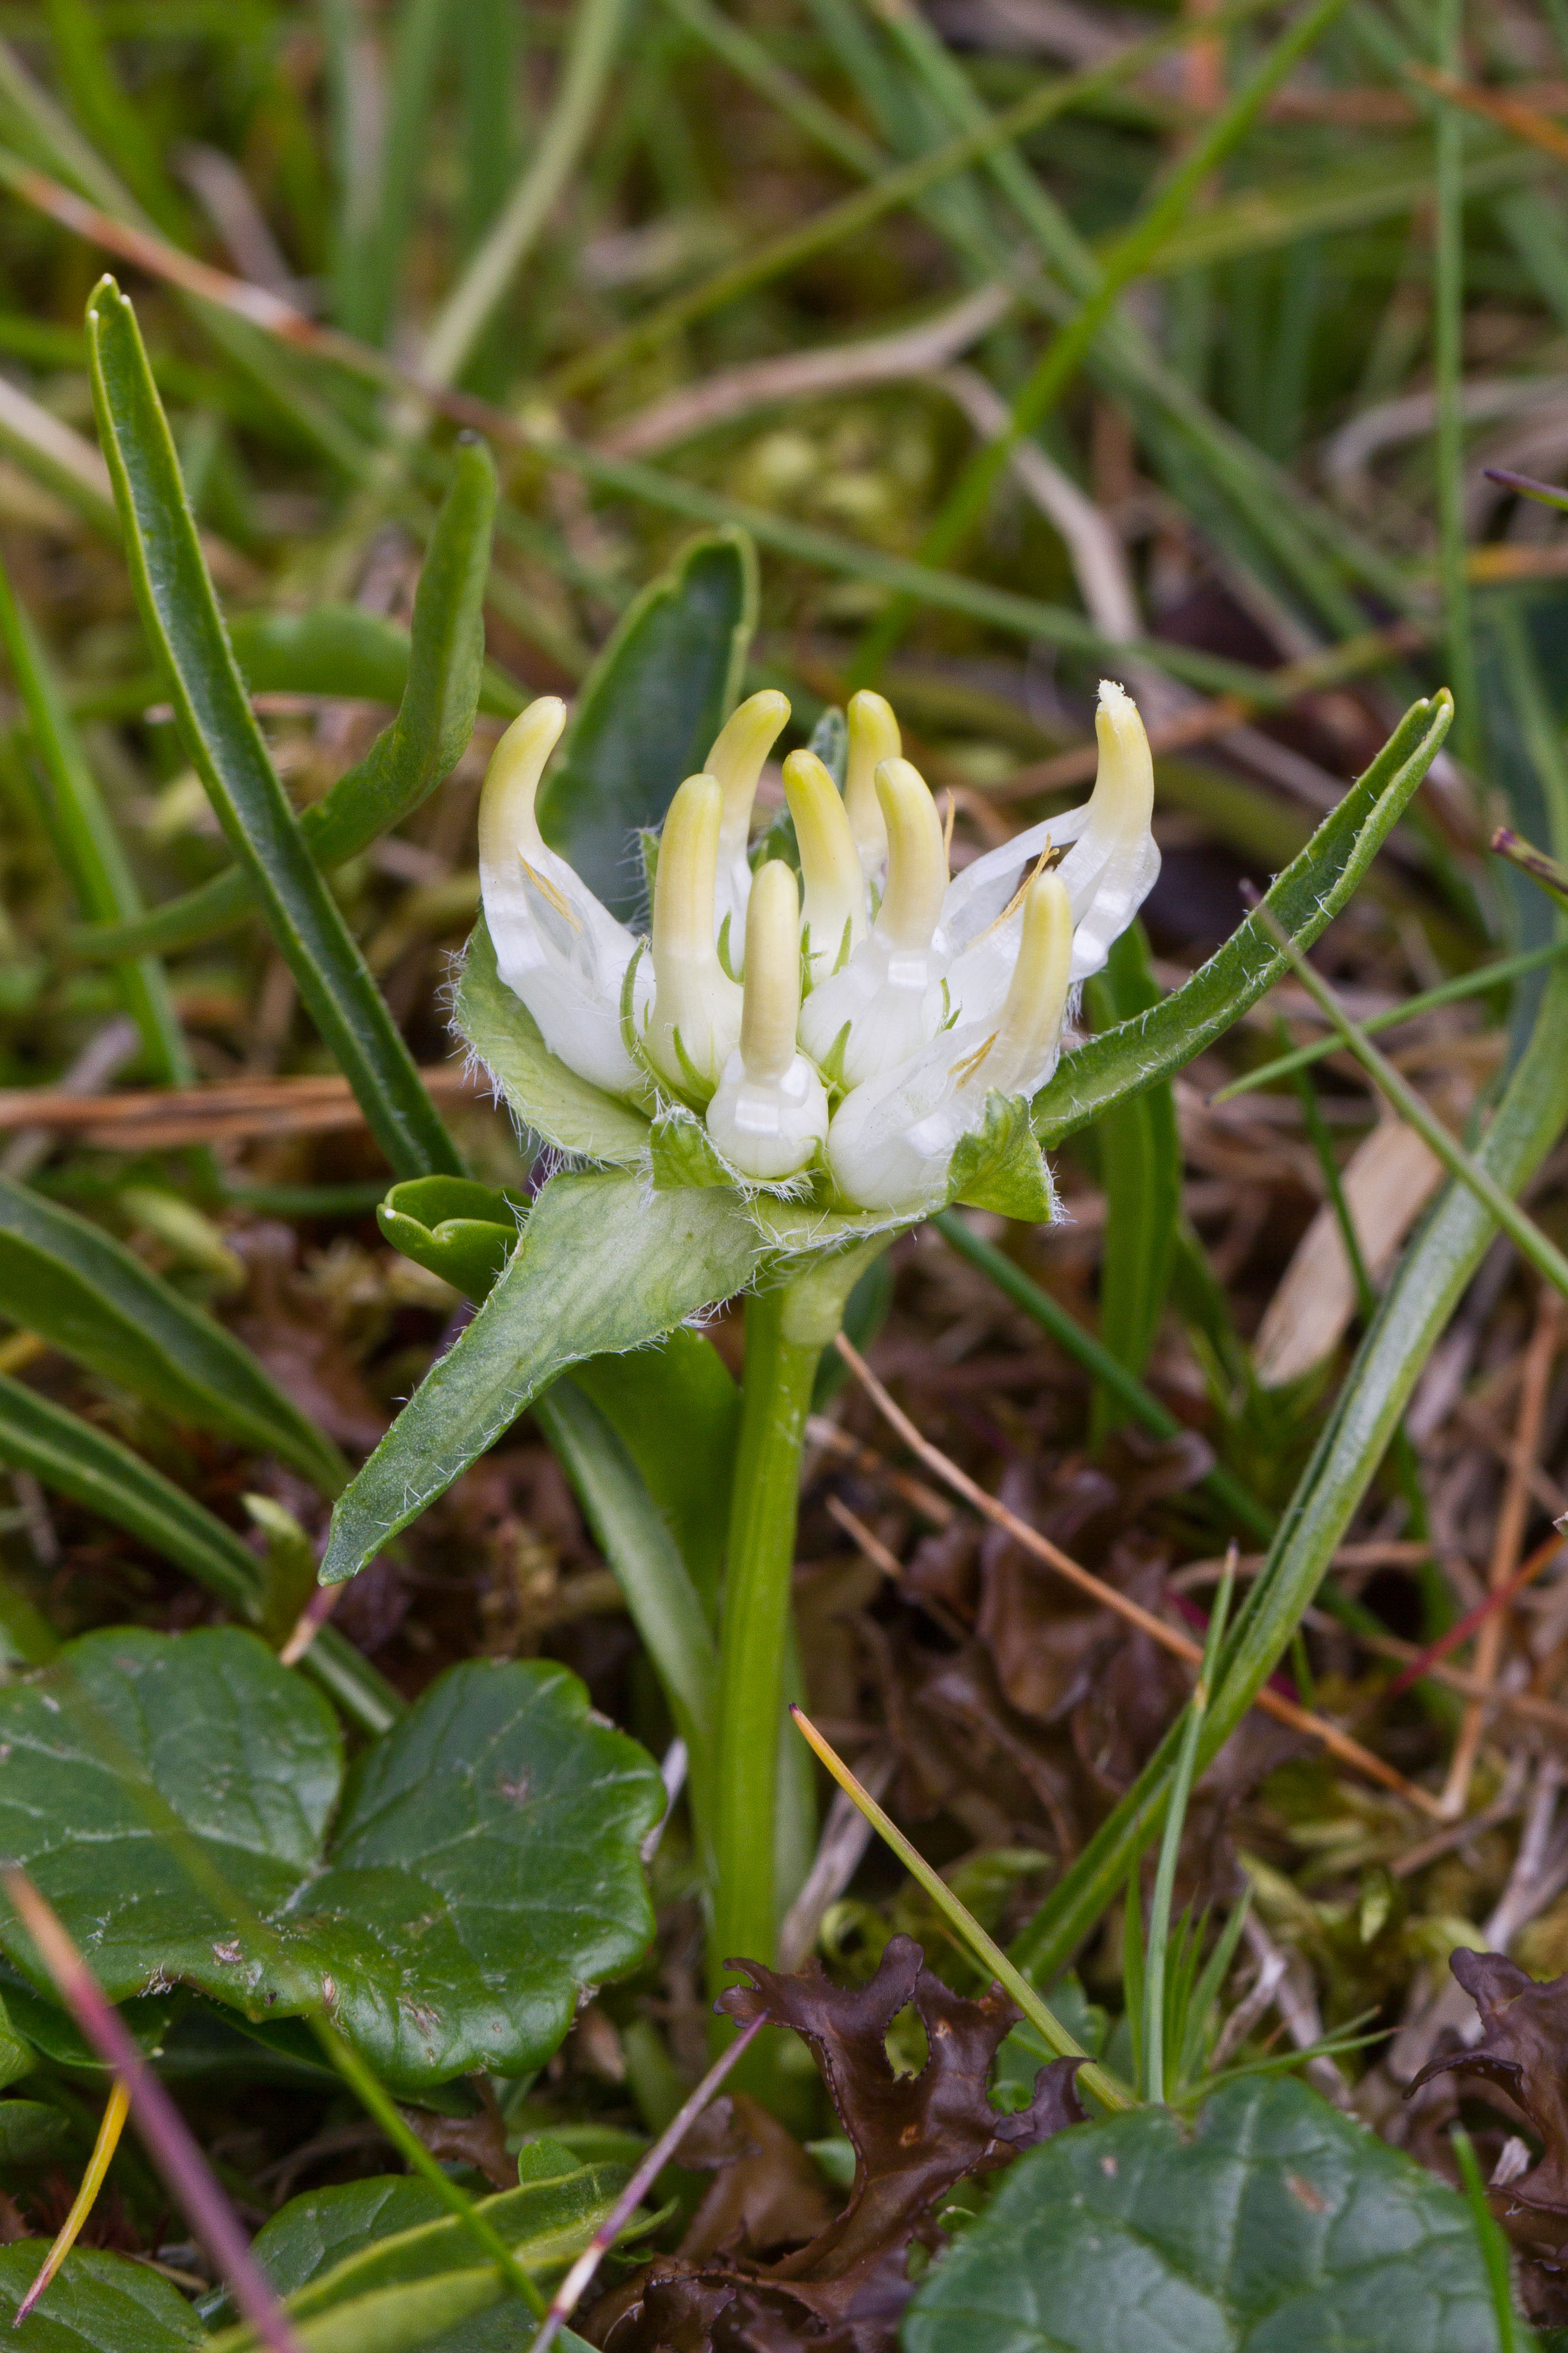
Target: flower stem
{"x": 776, "y": 1394}
{"x": 787, "y": 1328}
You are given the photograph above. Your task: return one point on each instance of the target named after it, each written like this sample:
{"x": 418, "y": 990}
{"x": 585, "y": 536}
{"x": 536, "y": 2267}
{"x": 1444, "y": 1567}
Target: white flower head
{"x": 878, "y": 984}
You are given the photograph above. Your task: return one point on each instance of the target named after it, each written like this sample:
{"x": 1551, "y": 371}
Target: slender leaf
{"x": 89, "y": 847}
{"x": 355, "y": 2249}
{"x": 600, "y": 1268}
{"x": 656, "y": 697}
{"x": 69, "y": 1456}
{"x": 434, "y": 674}
{"x": 1304, "y": 900}
{"x": 182, "y": 618}
{"x": 678, "y": 1413}
{"x": 85, "y": 1294}
{"x": 1140, "y": 1173}
{"x": 1413, "y": 1311}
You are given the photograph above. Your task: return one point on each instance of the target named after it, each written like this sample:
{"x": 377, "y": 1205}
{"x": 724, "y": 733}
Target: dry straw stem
{"x": 1272, "y": 1703}
{"x": 568, "y": 2295}
{"x": 168, "y": 2137}
{"x": 152, "y": 1119}
{"x": 1092, "y": 2079}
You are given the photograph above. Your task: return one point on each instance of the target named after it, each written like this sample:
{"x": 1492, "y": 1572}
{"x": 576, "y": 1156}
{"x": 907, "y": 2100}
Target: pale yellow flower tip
{"x": 834, "y": 910}
{"x": 507, "y": 819}
{"x": 1124, "y": 796}
{"x": 740, "y": 748}
{"x": 771, "y": 1005}
{"x": 917, "y": 857}
{"x": 873, "y": 737}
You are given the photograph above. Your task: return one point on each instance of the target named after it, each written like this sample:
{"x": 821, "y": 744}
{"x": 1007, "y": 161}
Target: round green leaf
{"x": 1270, "y": 2225}
{"x": 99, "y": 2303}
{"x": 172, "y": 1796}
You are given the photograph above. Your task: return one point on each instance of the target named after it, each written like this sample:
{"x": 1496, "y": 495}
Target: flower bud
{"x": 890, "y": 993}
{"x": 873, "y": 738}
{"x": 1112, "y": 867}
{"x": 770, "y": 1113}
{"x": 557, "y": 948}
{"x": 736, "y": 761}
{"x": 695, "y": 1017}
{"x": 836, "y": 906}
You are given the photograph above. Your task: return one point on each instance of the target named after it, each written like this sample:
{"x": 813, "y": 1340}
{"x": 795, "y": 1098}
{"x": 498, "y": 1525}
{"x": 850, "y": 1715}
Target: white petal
{"x": 557, "y": 947}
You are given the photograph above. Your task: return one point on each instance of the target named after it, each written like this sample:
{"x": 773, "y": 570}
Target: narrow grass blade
{"x": 1092, "y": 2079}
{"x": 441, "y": 665}
{"x": 1157, "y": 1949}
{"x": 1495, "y": 2252}
{"x": 1413, "y": 1312}
{"x": 1140, "y": 1173}
{"x": 89, "y": 848}
{"x": 1521, "y": 1228}
{"x": 664, "y": 1603}
{"x": 111, "y": 2125}
{"x": 596, "y": 34}
{"x": 69, "y": 1456}
{"x": 1448, "y": 992}
{"x": 1304, "y": 899}
{"x": 183, "y": 620}
{"x": 1552, "y": 876}
{"x": 87, "y": 1295}
{"x": 1096, "y": 1360}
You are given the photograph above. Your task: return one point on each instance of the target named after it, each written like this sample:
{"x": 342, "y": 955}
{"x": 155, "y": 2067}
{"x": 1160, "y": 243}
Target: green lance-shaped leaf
{"x": 1141, "y": 1171}
{"x": 1270, "y": 2222}
{"x": 600, "y": 1269}
{"x": 100, "y": 2304}
{"x": 90, "y": 1297}
{"x": 446, "y": 1903}
{"x": 182, "y": 618}
{"x": 649, "y": 711}
{"x": 1413, "y": 1313}
{"x": 380, "y": 2266}
{"x": 647, "y": 1439}
{"x": 1304, "y": 899}
{"x": 72, "y": 1458}
{"x": 435, "y": 675}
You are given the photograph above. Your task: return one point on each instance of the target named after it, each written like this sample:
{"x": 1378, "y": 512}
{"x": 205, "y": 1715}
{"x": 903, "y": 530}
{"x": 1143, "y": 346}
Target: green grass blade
{"x": 1448, "y": 369}
{"x": 1141, "y": 1175}
{"x": 665, "y": 1605}
{"x": 1097, "y": 1360}
{"x": 595, "y": 35}
{"x": 1304, "y": 899}
{"x": 434, "y": 673}
{"x": 1448, "y": 992}
{"x": 370, "y": 287}
{"x": 183, "y": 620}
{"x": 69, "y": 1456}
{"x": 87, "y": 1295}
{"x": 89, "y": 846}
{"x": 1127, "y": 257}
{"x": 1415, "y": 1311}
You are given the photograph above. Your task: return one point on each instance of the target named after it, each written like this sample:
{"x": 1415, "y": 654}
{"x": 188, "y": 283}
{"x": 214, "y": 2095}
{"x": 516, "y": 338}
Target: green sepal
{"x": 460, "y": 1231}
{"x": 1000, "y": 1165}
{"x": 566, "y": 1110}
{"x": 681, "y": 1153}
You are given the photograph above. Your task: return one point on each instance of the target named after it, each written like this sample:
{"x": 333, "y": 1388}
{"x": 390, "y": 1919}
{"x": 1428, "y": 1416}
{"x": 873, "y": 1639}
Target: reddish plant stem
{"x": 169, "y": 2140}
{"x": 564, "y": 2301}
